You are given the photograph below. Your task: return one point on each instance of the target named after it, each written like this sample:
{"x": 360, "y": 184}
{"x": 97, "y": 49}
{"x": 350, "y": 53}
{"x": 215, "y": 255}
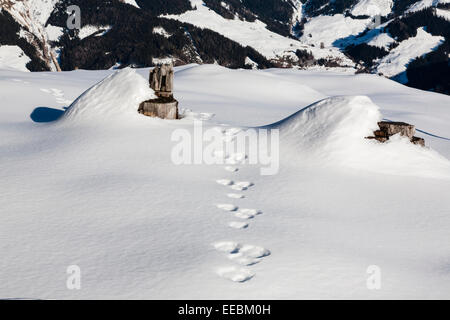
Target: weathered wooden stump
{"x": 161, "y": 80}
{"x": 164, "y": 106}
{"x": 161, "y": 108}
{"x": 388, "y": 129}
{"x": 391, "y": 128}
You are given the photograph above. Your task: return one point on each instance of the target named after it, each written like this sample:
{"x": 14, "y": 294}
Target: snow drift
{"x": 117, "y": 97}
{"x": 332, "y": 132}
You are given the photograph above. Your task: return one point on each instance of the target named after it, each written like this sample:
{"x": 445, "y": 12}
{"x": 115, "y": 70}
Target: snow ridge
{"x": 332, "y": 132}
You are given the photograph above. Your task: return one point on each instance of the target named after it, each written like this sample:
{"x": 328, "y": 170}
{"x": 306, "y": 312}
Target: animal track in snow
{"x": 19, "y": 80}
{"x": 235, "y": 196}
{"x": 225, "y": 182}
{"x": 231, "y": 169}
{"x": 238, "y": 225}
{"x": 249, "y": 255}
{"x": 58, "y": 94}
{"x": 244, "y": 184}
{"x": 189, "y": 114}
{"x": 227, "y": 207}
{"x": 242, "y": 254}
{"x": 235, "y": 274}
{"x": 227, "y": 246}
{"x": 247, "y": 213}
{"x": 235, "y": 158}
{"x": 240, "y": 186}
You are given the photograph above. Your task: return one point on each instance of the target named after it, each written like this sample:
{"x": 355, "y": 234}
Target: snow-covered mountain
{"x": 406, "y": 40}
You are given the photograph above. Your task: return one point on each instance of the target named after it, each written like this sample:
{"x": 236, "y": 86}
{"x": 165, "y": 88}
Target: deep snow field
{"x": 94, "y": 186}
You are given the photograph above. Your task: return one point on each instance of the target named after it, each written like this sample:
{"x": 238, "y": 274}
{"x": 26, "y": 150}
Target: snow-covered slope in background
{"x": 397, "y": 60}
{"x": 103, "y": 194}
{"x": 372, "y": 8}
{"x": 318, "y": 29}
{"x": 423, "y": 4}
{"x": 443, "y": 13}
{"x": 12, "y": 57}
{"x": 253, "y": 34}
{"x": 131, "y": 2}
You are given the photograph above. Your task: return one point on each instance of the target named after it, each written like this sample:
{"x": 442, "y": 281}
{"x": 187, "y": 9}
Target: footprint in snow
{"x": 245, "y": 255}
{"x": 241, "y": 186}
{"x": 225, "y": 182}
{"x": 19, "y": 80}
{"x": 231, "y": 169}
{"x": 247, "y": 213}
{"x": 235, "y": 196}
{"x": 58, "y": 94}
{"x": 227, "y": 207}
{"x": 235, "y": 274}
{"x": 238, "y": 225}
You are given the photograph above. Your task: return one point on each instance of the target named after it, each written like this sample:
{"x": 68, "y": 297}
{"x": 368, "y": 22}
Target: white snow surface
{"x": 328, "y": 29}
{"x": 382, "y": 40}
{"x": 13, "y": 57}
{"x": 89, "y": 30}
{"x": 373, "y": 7}
{"x": 114, "y": 98}
{"x": 398, "y": 58}
{"x": 131, "y": 2}
{"x": 443, "y": 13}
{"x": 329, "y": 133}
{"x": 53, "y": 32}
{"x": 97, "y": 188}
{"x": 161, "y": 31}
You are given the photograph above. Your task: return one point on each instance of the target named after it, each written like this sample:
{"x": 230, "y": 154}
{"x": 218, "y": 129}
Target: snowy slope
{"x": 372, "y": 8}
{"x": 329, "y": 133}
{"x": 382, "y": 40}
{"x": 423, "y": 4}
{"x": 253, "y": 34}
{"x": 443, "y": 13}
{"x": 397, "y": 60}
{"x": 97, "y": 188}
{"x": 12, "y": 57}
{"x": 131, "y": 2}
{"x": 317, "y": 30}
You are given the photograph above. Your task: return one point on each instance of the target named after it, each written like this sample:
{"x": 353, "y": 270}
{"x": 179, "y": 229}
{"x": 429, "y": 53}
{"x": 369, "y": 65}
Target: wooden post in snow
{"x": 164, "y": 106}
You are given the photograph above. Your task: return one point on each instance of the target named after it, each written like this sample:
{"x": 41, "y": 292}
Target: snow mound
{"x": 332, "y": 132}
{"x": 117, "y": 97}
